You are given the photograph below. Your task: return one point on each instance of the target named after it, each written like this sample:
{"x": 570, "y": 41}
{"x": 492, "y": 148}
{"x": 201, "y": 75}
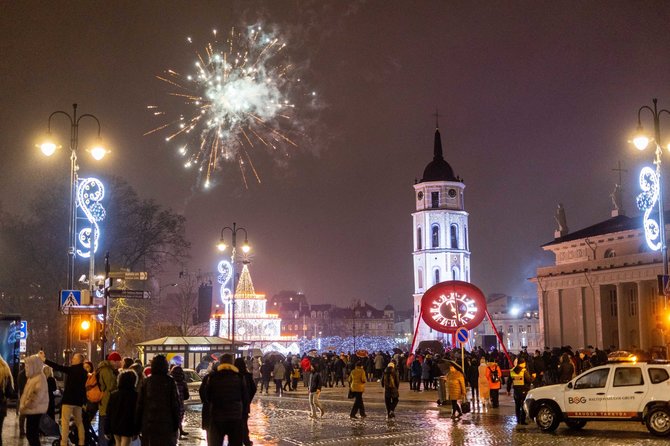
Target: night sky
{"x": 536, "y": 100}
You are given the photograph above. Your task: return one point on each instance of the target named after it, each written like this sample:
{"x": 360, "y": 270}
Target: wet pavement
{"x": 284, "y": 421}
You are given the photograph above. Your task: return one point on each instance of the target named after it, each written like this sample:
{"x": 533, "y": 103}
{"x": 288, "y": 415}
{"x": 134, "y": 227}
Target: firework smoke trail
{"x": 239, "y": 98}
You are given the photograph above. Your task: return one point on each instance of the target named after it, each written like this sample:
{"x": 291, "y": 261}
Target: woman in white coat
{"x": 483, "y": 384}
{"x": 34, "y": 399}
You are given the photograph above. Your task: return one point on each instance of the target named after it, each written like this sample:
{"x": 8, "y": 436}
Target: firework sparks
{"x": 239, "y": 100}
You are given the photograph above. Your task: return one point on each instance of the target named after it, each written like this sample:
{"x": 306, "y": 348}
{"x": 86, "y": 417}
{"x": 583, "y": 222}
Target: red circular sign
{"x": 447, "y": 306}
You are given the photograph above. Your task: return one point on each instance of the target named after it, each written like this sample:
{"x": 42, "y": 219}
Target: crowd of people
{"x": 134, "y": 402}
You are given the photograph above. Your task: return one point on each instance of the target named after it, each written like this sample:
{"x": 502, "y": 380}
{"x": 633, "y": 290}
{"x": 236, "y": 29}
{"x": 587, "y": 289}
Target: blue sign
{"x": 23, "y": 331}
{"x": 70, "y": 298}
{"x": 462, "y": 335}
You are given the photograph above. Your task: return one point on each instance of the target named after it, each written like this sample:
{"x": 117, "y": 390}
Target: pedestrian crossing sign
{"x": 69, "y": 298}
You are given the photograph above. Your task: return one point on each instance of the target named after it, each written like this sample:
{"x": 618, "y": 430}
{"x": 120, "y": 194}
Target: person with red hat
{"x": 107, "y": 372}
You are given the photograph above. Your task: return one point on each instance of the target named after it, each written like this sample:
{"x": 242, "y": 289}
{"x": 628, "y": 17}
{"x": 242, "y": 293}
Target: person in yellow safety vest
{"x": 520, "y": 379}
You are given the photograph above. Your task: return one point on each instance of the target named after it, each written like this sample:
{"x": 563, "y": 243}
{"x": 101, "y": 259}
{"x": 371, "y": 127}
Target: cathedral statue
{"x": 616, "y": 197}
{"x": 561, "y": 221}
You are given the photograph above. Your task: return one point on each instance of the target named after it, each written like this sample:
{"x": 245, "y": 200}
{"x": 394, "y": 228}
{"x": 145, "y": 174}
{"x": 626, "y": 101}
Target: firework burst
{"x": 239, "y": 99}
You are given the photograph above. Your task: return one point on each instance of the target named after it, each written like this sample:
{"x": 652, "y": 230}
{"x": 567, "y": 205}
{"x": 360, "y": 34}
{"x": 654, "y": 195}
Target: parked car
{"x": 622, "y": 390}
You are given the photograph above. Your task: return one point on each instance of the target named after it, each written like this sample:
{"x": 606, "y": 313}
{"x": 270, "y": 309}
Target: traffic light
{"x": 85, "y": 328}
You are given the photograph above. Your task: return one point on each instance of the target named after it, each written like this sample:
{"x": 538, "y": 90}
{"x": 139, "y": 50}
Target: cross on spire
{"x": 437, "y": 116}
{"x": 619, "y": 169}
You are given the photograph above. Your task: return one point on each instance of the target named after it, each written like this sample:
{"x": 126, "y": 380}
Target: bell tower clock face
{"x": 448, "y": 306}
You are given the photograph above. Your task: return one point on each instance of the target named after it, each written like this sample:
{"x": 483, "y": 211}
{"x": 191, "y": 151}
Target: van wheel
{"x": 547, "y": 418}
{"x": 575, "y": 424}
{"x": 658, "y": 421}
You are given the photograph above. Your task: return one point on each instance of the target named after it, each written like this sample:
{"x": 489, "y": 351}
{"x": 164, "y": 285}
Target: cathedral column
{"x": 644, "y": 321}
{"x": 620, "y": 312}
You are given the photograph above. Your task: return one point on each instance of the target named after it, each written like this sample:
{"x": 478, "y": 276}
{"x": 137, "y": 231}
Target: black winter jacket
{"x": 121, "y": 413}
{"x": 226, "y": 394}
{"x": 158, "y": 405}
{"x": 74, "y": 393}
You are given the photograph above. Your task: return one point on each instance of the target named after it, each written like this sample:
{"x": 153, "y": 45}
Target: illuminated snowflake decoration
{"x": 90, "y": 192}
{"x": 225, "y": 274}
{"x": 238, "y": 98}
{"x": 647, "y": 201}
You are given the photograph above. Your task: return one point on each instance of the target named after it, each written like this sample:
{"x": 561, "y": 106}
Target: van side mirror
{"x": 569, "y": 385}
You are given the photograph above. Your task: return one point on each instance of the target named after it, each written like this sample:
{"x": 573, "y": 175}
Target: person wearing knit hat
{"x": 107, "y": 371}
{"x": 391, "y": 382}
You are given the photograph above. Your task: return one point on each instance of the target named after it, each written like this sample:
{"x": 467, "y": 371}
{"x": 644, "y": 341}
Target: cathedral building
{"x": 439, "y": 232}
{"x": 602, "y": 290}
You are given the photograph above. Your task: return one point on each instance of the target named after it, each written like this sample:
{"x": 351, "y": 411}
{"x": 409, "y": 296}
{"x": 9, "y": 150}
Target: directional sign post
{"x": 129, "y": 275}
{"x": 68, "y": 299}
{"x": 129, "y": 294}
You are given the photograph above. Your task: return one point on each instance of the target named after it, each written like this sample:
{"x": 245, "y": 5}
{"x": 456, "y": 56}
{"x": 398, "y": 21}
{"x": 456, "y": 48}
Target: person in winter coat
{"x": 52, "y": 387}
{"x": 107, "y": 371}
{"x": 357, "y": 385}
{"x": 494, "y": 377}
{"x": 472, "y": 372}
{"x": 455, "y": 390}
{"x": 35, "y": 398}
{"x": 521, "y": 379}
{"x": 266, "y": 375}
{"x": 138, "y": 368}
{"x": 251, "y": 391}
{"x": 415, "y": 375}
{"x": 425, "y": 373}
{"x": 121, "y": 408}
{"x": 338, "y": 370}
{"x": 279, "y": 373}
{"x": 177, "y": 374}
{"x": 315, "y": 384}
{"x": 566, "y": 369}
{"x": 256, "y": 370}
{"x": 225, "y": 393}
{"x": 483, "y": 384}
{"x": 21, "y": 384}
{"x": 391, "y": 384}
{"x": 6, "y": 390}
{"x": 74, "y": 394}
{"x": 157, "y": 412}
{"x": 305, "y": 365}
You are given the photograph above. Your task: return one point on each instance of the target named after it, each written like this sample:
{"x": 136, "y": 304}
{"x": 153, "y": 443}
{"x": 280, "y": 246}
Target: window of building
{"x": 610, "y": 253}
{"x": 437, "y": 276}
{"x": 455, "y": 273}
{"x": 465, "y": 231}
{"x": 435, "y": 200}
{"x": 528, "y": 331}
{"x": 511, "y": 329}
{"x": 613, "y": 308}
{"x": 454, "y": 237}
{"x": 521, "y": 329}
{"x": 419, "y": 274}
{"x": 632, "y": 303}
{"x": 435, "y": 236}
{"x": 419, "y": 245}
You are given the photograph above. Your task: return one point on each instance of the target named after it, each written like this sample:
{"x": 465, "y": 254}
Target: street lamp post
{"x": 49, "y": 147}
{"x": 641, "y": 141}
{"x": 245, "y": 248}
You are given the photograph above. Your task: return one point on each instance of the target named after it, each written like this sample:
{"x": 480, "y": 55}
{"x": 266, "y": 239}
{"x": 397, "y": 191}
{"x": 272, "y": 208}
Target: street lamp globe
{"x": 98, "y": 152}
{"x": 48, "y": 147}
{"x": 246, "y": 248}
{"x": 221, "y": 246}
{"x": 641, "y": 141}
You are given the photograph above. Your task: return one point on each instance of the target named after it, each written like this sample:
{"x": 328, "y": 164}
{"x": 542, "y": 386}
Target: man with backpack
{"x": 74, "y": 395}
{"x": 494, "y": 377}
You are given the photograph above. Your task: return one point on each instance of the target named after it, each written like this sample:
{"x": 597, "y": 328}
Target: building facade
{"x": 602, "y": 290}
{"x": 517, "y": 321}
{"x": 441, "y": 250}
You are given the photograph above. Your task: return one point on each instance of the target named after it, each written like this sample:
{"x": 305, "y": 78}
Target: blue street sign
{"x": 23, "y": 331}
{"x": 70, "y": 298}
{"x": 462, "y": 335}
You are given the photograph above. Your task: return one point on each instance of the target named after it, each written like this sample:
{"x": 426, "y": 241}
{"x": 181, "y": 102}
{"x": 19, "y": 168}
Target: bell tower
{"x": 439, "y": 232}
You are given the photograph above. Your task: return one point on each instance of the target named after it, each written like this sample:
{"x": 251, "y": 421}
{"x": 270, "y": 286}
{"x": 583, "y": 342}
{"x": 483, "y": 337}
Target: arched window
{"x": 435, "y": 236}
{"x": 454, "y": 236}
{"x": 610, "y": 253}
{"x": 437, "y": 276}
{"x": 465, "y": 231}
{"x": 419, "y": 274}
{"x": 419, "y": 245}
{"x": 455, "y": 273}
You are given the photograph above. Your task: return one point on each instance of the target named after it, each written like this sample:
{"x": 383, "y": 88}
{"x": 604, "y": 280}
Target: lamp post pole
{"x": 641, "y": 143}
{"x": 245, "y": 248}
{"x": 48, "y": 148}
